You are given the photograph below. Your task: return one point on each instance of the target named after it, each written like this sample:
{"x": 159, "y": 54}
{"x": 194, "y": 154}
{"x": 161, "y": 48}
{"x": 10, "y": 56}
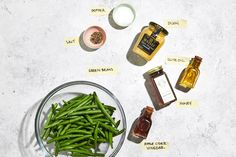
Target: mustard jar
{"x": 150, "y": 41}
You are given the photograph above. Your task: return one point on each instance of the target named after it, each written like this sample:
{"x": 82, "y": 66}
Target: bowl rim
{"x": 128, "y": 6}
{"x": 67, "y": 84}
{"x": 93, "y": 46}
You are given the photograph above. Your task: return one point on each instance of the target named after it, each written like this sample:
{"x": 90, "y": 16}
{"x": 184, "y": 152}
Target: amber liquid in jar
{"x": 143, "y": 123}
{"x": 159, "y": 88}
{"x": 189, "y": 75}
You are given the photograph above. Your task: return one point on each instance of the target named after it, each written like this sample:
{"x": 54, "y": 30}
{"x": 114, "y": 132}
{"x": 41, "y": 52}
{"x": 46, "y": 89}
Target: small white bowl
{"x": 123, "y": 15}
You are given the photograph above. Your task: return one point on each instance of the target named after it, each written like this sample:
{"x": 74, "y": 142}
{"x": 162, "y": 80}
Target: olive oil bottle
{"x": 188, "y": 77}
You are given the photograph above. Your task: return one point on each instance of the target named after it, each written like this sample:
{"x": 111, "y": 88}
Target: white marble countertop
{"x": 34, "y": 61}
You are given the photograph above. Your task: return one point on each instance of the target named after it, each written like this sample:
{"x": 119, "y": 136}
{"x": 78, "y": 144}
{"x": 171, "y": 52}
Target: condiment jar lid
{"x": 158, "y": 68}
{"x": 149, "y": 109}
{"x": 157, "y": 26}
{"x": 198, "y": 58}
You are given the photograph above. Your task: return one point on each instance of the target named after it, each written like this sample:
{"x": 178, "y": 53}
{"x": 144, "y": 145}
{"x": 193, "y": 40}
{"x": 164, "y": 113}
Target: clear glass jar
{"x": 143, "y": 123}
{"x": 150, "y": 41}
{"x": 189, "y": 76}
{"x": 159, "y": 88}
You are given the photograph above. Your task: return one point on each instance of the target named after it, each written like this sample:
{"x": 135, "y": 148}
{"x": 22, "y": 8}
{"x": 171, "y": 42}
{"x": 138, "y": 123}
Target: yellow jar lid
{"x": 158, "y": 68}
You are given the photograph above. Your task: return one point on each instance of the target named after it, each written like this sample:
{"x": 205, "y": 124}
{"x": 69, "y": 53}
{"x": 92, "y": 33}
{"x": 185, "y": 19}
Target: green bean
{"x": 100, "y": 140}
{"x": 119, "y": 132}
{"x": 109, "y": 107}
{"x": 97, "y": 116}
{"x": 56, "y": 149}
{"x": 73, "y": 146}
{"x": 106, "y": 135}
{"x": 71, "y": 120}
{"x": 77, "y": 131}
{"x": 83, "y": 100}
{"x": 86, "y": 112}
{"x": 117, "y": 124}
{"x": 110, "y": 128}
{"x": 68, "y": 112}
{"x": 110, "y": 136}
{"x": 79, "y": 139}
{"x": 82, "y": 124}
{"x": 51, "y": 135}
{"x": 103, "y": 109}
{"x": 65, "y": 111}
{"x": 66, "y": 128}
{"x": 60, "y": 128}
{"x": 89, "y": 119}
{"x": 65, "y": 103}
{"x": 61, "y": 137}
{"x": 53, "y": 124}
{"x": 101, "y": 132}
{"x": 102, "y": 120}
{"x": 87, "y": 107}
{"x": 96, "y": 135}
{"x": 46, "y": 133}
{"x": 77, "y": 97}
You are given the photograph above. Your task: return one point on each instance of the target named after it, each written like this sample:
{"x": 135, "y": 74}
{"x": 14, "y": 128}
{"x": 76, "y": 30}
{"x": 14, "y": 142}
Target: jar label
{"x": 180, "y": 60}
{"x": 102, "y": 70}
{"x": 164, "y": 89}
{"x": 155, "y": 145}
{"x": 148, "y": 44}
{"x": 187, "y": 103}
{"x": 99, "y": 11}
{"x": 72, "y": 41}
{"x": 175, "y": 23}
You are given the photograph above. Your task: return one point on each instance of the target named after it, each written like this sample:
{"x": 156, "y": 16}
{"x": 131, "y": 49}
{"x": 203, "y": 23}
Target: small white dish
{"x": 123, "y": 15}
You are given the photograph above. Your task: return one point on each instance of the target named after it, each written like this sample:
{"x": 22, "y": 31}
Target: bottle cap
{"x": 157, "y": 26}
{"x": 198, "y": 58}
{"x": 158, "y": 68}
{"x": 149, "y": 109}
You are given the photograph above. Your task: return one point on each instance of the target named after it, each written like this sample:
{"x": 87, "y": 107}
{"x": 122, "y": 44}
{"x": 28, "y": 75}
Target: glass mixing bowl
{"x": 67, "y": 91}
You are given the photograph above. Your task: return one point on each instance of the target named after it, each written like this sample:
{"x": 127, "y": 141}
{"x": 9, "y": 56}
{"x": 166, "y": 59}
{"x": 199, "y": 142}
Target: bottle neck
{"x": 161, "y": 34}
{"x": 195, "y": 63}
{"x": 147, "y": 114}
{"x": 157, "y": 31}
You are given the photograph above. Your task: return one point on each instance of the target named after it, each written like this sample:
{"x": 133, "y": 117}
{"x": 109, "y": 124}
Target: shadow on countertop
{"x": 132, "y": 57}
{"x": 27, "y": 142}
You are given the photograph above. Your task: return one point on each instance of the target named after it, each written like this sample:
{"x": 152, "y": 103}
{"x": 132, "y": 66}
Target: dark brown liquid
{"x": 142, "y": 125}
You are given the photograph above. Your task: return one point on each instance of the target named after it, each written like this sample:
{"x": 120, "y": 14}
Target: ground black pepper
{"x": 96, "y": 38}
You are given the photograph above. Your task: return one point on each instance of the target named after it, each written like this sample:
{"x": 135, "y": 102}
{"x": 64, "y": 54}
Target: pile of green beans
{"x": 79, "y": 125}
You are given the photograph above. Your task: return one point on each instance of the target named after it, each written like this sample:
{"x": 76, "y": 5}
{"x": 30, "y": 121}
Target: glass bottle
{"x": 189, "y": 75}
{"x": 143, "y": 123}
{"x": 159, "y": 87}
{"x": 150, "y": 41}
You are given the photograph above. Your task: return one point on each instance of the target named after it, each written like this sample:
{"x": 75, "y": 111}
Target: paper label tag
{"x": 102, "y": 70}
{"x": 164, "y": 88}
{"x": 157, "y": 145}
{"x": 99, "y": 11}
{"x": 177, "y": 60}
{"x": 187, "y": 103}
{"x": 181, "y": 23}
{"x": 72, "y": 41}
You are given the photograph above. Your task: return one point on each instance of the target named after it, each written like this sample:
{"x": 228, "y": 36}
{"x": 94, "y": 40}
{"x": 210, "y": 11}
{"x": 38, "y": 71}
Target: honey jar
{"x": 159, "y": 88}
